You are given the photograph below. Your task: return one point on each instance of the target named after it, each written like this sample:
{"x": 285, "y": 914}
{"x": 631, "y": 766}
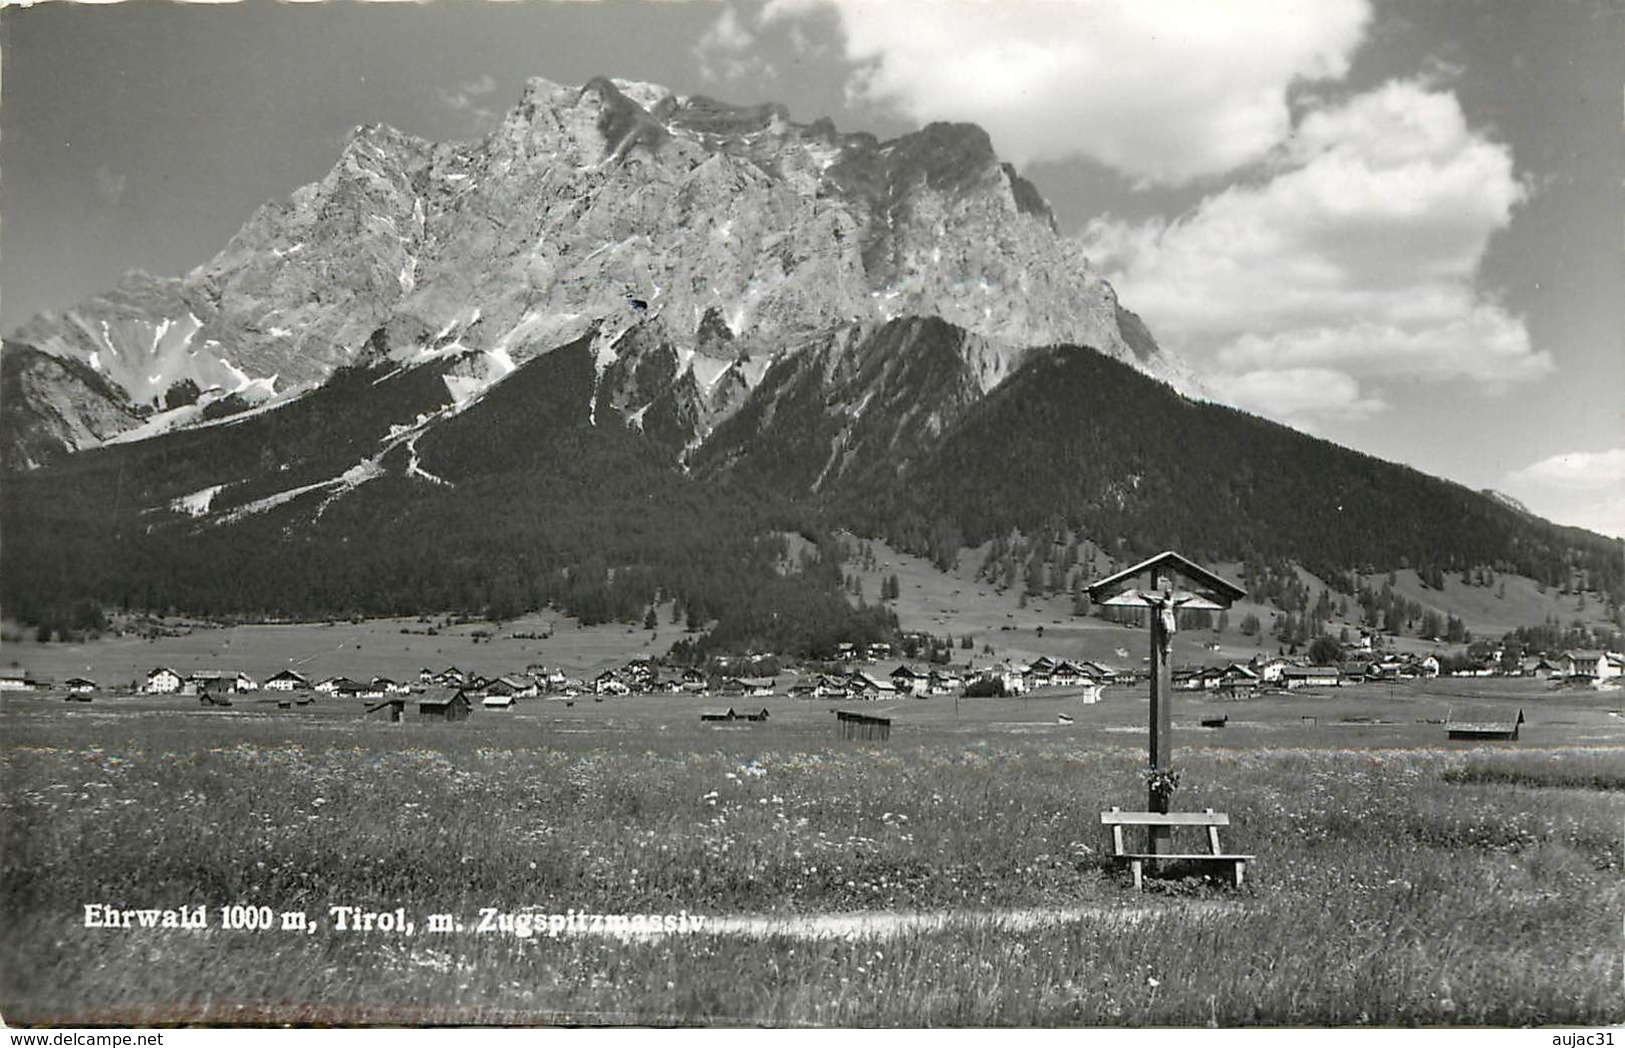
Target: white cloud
{"x": 469, "y": 99}
{"x": 1575, "y": 471}
{"x": 1604, "y": 514}
{"x": 1302, "y": 397}
{"x": 1359, "y": 252}
{"x": 726, "y": 50}
{"x": 1584, "y": 488}
{"x": 1482, "y": 343}
{"x": 1163, "y": 92}
{"x": 728, "y": 33}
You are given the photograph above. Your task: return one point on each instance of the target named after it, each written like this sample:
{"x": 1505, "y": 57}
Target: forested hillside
{"x": 532, "y": 504}
{"x": 1077, "y": 442}
{"x": 396, "y": 490}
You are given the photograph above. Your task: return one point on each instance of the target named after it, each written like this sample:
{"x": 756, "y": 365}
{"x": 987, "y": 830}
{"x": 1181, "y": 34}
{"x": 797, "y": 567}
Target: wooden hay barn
{"x": 863, "y": 727}
{"x": 718, "y": 715}
{"x": 1485, "y": 730}
{"x": 445, "y": 704}
{"x": 392, "y": 710}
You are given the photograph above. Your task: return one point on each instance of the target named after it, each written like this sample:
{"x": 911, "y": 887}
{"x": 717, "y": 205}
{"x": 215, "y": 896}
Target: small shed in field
{"x": 392, "y": 710}
{"x": 446, "y": 704}
{"x": 1485, "y": 730}
{"x": 718, "y": 715}
{"x": 863, "y": 727}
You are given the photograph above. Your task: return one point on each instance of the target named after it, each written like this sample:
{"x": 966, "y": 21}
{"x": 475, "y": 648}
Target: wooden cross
{"x": 1161, "y": 602}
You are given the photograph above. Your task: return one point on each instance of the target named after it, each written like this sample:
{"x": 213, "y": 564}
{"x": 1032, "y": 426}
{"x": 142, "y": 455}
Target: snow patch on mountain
{"x": 271, "y": 502}
{"x": 162, "y": 422}
{"x": 751, "y": 370}
{"x": 536, "y": 328}
{"x": 349, "y": 480}
{"x": 644, "y": 94}
{"x": 414, "y": 465}
{"x": 337, "y": 487}
{"x": 273, "y": 403}
{"x": 462, "y": 387}
{"x": 197, "y": 503}
{"x": 708, "y": 370}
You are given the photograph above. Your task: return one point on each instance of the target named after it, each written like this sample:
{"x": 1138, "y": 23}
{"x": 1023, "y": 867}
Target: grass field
{"x": 1400, "y": 879}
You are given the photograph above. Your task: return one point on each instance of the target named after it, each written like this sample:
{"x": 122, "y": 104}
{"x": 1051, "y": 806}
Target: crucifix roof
{"x": 1210, "y": 590}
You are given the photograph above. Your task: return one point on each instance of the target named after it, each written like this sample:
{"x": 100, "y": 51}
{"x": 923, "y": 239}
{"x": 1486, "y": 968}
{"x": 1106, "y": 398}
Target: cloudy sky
{"x": 1395, "y": 225}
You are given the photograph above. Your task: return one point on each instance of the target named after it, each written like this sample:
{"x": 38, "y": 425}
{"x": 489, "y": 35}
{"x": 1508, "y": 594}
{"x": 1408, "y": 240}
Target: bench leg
{"x": 1139, "y": 870}
{"x": 1241, "y": 871}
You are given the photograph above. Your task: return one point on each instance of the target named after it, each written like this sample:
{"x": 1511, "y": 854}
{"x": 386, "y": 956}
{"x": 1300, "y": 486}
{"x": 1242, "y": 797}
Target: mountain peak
{"x": 647, "y": 95}
{"x": 539, "y": 90}
{"x": 708, "y": 116}
{"x": 364, "y": 137}
{"x": 714, "y": 216}
{"x": 947, "y": 155}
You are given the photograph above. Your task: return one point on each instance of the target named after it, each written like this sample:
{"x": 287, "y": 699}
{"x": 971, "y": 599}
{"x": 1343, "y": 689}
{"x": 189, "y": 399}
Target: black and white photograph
{"x": 813, "y": 514}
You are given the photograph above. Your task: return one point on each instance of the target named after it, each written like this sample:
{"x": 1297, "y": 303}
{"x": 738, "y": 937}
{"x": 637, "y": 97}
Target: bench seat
{"x": 1209, "y": 820}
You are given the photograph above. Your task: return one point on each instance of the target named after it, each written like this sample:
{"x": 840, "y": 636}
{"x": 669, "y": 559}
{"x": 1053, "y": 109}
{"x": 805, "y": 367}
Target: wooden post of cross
{"x": 1161, "y": 610}
{"x": 1161, "y": 602}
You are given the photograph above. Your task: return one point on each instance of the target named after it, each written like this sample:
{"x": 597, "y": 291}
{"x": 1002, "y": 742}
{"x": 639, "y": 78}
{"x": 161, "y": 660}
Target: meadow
{"x": 1400, "y": 880}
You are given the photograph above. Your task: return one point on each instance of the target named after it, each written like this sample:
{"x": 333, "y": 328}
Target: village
{"x": 855, "y": 674}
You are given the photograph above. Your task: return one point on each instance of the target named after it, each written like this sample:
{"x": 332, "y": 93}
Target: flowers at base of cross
{"x": 1162, "y": 781}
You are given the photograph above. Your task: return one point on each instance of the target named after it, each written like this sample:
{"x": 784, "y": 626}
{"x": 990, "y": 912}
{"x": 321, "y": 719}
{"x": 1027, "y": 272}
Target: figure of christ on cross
{"x": 1161, "y": 604}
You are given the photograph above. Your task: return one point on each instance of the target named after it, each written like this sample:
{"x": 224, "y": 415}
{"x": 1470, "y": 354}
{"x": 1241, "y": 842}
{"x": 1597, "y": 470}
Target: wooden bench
{"x": 1211, "y": 819}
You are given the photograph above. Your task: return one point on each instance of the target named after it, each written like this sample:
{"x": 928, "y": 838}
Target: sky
{"x": 1394, "y": 225}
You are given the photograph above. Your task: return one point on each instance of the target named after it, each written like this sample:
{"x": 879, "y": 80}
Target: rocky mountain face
{"x": 857, "y": 406}
{"x": 697, "y": 243}
{"x": 54, "y": 404}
